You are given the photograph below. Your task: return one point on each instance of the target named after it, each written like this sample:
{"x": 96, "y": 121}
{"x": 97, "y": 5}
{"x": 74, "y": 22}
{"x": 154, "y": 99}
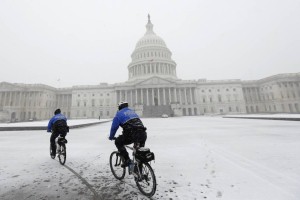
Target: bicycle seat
{"x": 62, "y": 141}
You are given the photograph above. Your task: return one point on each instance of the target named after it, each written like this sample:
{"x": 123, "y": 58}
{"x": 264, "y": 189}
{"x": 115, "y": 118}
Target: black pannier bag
{"x": 144, "y": 154}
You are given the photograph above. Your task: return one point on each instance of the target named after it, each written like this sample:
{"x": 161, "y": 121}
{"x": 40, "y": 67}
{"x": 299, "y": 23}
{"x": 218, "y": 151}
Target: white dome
{"x": 151, "y": 57}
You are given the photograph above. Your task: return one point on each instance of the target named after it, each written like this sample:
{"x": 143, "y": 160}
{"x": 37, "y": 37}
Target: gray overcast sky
{"x": 66, "y": 43}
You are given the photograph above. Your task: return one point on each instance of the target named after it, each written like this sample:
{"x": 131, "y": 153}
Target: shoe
{"x": 53, "y": 155}
{"x": 126, "y": 163}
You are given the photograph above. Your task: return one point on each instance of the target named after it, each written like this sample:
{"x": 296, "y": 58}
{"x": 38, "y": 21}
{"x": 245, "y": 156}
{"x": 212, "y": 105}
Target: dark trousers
{"x": 127, "y": 139}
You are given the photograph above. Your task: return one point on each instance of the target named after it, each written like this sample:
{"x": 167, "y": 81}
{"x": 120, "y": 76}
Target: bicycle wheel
{"x": 146, "y": 181}
{"x": 62, "y": 156}
{"x": 115, "y": 162}
{"x": 52, "y": 156}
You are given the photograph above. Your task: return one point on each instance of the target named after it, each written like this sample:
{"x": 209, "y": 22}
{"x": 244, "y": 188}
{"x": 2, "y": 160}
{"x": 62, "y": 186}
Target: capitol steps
{"x": 157, "y": 111}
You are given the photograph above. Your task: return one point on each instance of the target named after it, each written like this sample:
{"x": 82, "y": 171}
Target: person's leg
{"x": 140, "y": 137}
{"x": 54, "y": 135}
{"x": 120, "y": 142}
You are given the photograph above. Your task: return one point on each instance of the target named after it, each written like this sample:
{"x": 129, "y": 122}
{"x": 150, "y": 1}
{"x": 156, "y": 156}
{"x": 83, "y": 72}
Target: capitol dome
{"x": 151, "y": 57}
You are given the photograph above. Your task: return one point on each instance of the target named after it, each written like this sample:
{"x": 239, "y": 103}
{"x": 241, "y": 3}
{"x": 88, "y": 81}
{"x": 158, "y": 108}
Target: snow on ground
{"x": 196, "y": 158}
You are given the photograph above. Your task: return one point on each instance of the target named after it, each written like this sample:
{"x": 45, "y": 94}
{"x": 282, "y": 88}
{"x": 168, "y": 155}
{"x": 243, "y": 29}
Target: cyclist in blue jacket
{"x": 58, "y": 126}
{"x": 133, "y": 130}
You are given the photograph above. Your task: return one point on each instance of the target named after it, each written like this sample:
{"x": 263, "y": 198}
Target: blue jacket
{"x": 54, "y": 119}
{"x": 121, "y": 118}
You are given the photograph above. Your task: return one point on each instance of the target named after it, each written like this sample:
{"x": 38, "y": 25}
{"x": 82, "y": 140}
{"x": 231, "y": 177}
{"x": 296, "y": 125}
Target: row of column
{"x": 157, "y": 68}
{"x": 157, "y": 96}
{"x": 64, "y": 100}
{"x": 18, "y": 98}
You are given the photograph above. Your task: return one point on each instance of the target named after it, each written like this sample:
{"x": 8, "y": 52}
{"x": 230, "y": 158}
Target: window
{"x": 219, "y": 98}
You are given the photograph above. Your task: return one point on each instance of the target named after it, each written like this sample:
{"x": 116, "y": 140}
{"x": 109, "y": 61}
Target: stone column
{"x": 191, "y": 96}
{"x": 5, "y": 99}
{"x": 195, "y": 95}
{"x": 10, "y": 94}
{"x": 153, "y": 102}
{"x": 175, "y": 95}
{"x": 185, "y": 97}
{"x": 158, "y": 97}
{"x": 19, "y": 100}
{"x": 142, "y": 96}
{"x": 170, "y": 97}
{"x": 147, "y": 101}
{"x": 136, "y": 96}
{"x": 180, "y": 96}
{"x": 164, "y": 93}
{"x": 131, "y": 98}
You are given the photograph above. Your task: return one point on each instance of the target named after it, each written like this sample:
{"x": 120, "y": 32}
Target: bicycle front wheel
{"x": 115, "y": 162}
{"x": 146, "y": 181}
{"x": 62, "y": 156}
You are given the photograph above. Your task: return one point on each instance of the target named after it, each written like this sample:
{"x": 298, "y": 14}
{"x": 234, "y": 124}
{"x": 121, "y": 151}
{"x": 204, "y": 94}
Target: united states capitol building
{"x": 153, "y": 88}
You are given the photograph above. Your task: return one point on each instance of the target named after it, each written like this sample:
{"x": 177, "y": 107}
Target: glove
{"x": 110, "y": 138}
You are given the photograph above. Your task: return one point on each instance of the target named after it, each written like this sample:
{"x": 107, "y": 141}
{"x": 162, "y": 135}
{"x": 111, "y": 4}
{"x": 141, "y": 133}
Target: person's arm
{"x": 114, "y": 127}
{"x": 50, "y": 125}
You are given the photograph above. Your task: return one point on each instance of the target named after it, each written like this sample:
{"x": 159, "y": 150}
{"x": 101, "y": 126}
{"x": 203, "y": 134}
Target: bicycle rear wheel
{"x": 115, "y": 162}
{"x": 62, "y": 156}
{"x": 146, "y": 181}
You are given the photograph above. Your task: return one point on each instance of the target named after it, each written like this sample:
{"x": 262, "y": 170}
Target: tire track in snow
{"x": 96, "y": 196}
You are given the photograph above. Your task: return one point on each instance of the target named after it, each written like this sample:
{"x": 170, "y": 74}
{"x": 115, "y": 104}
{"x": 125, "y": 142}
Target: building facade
{"x": 152, "y": 89}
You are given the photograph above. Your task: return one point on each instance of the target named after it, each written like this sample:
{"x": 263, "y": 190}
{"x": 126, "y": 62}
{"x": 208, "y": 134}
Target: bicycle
{"x": 141, "y": 169}
{"x": 61, "y": 149}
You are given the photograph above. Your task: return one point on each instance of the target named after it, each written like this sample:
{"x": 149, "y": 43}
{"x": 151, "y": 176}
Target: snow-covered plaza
{"x": 196, "y": 158}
